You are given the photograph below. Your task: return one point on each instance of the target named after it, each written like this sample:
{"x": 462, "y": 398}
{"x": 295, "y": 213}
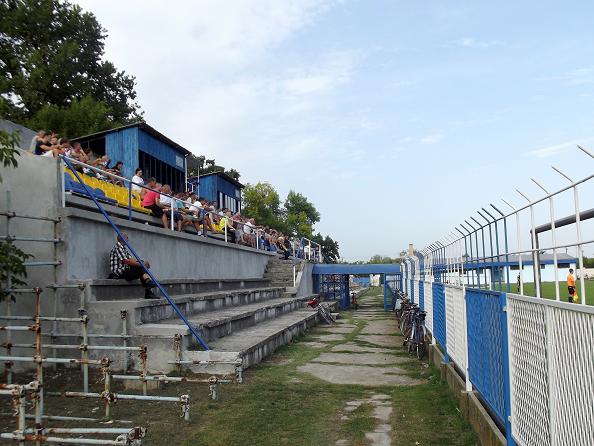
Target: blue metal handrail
{"x": 138, "y": 259}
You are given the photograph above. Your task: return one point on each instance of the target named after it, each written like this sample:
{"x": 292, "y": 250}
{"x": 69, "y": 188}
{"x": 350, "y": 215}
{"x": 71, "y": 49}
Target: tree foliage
{"x": 200, "y": 165}
{"x": 378, "y": 259}
{"x": 330, "y": 248}
{"x": 295, "y": 217}
{"x": 81, "y": 117}
{"x": 262, "y": 202}
{"x": 52, "y": 54}
{"x": 12, "y": 259}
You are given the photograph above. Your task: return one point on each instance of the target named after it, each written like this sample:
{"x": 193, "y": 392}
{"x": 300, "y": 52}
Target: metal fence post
{"x": 506, "y": 370}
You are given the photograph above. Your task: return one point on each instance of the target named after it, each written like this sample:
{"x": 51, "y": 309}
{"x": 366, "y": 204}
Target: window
{"x": 164, "y": 173}
{"x": 564, "y": 265}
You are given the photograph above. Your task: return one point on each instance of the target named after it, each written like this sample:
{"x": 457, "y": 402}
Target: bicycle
{"x": 417, "y": 342}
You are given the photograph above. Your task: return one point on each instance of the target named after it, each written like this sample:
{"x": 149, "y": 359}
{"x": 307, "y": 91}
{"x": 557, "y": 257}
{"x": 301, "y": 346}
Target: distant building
{"x": 547, "y": 269}
{"x": 140, "y": 145}
{"x": 223, "y": 189}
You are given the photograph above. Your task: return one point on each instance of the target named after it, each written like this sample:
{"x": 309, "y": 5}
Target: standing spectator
{"x": 573, "y": 297}
{"x": 137, "y": 181}
{"x": 123, "y": 266}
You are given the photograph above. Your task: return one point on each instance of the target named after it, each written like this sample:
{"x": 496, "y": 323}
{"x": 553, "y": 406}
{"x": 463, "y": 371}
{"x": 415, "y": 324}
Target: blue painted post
{"x": 385, "y": 293}
{"x": 506, "y": 372}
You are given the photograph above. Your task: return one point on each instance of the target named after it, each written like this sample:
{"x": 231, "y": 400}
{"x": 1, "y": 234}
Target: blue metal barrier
{"x": 439, "y": 316}
{"x": 421, "y": 295}
{"x": 487, "y": 346}
{"x": 138, "y": 259}
{"x": 412, "y": 290}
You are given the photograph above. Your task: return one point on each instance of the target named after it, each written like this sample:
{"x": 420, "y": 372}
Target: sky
{"x": 397, "y": 119}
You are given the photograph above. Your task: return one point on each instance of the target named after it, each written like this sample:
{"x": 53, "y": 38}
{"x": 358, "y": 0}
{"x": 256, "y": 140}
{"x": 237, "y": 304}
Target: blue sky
{"x": 397, "y": 119}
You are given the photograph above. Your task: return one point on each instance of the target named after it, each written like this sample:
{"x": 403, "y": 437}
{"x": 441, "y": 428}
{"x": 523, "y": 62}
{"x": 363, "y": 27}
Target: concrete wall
{"x": 89, "y": 238}
{"x": 305, "y": 280}
{"x": 32, "y": 188}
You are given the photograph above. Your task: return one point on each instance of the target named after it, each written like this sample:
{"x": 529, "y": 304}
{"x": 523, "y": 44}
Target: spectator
{"x": 149, "y": 200}
{"x": 38, "y": 137}
{"x": 123, "y": 266}
{"x": 166, "y": 203}
{"x": 78, "y": 154}
{"x": 43, "y": 145}
{"x": 137, "y": 178}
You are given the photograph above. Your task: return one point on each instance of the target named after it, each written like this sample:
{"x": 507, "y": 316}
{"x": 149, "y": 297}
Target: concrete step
{"x": 103, "y": 314}
{"x": 106, "y": 289}
{"x": 255, "y": 343}
{"x": 217, "y": 324}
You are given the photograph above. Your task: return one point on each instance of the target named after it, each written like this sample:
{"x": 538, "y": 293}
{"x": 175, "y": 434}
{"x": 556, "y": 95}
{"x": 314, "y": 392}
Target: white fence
{"x": 428, "y": 303}
{"x": 456, "y": 324}
{"x": 551, "y": 349}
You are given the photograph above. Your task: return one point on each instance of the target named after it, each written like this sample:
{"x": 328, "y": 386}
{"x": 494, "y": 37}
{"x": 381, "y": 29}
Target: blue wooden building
{"x": 223, "y": 189}
{"x": 140, "y": 145}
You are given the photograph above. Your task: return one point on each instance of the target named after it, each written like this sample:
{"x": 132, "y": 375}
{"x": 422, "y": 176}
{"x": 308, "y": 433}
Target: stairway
{"x": 280, "y": 272}
{"x": 242, "y": 321}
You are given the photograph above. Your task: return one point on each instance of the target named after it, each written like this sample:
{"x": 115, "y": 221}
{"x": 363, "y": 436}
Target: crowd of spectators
{"x": 189, "y": 210}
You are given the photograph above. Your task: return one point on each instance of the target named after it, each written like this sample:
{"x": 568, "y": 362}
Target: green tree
{"x": 12, "y": 259}
{"x": 330, "y": 248}
{"x": 200, "y": 165}
{"x": 262, "y": 202}
{"x": 53, "y": 53}
{"x": 81, "y": 117}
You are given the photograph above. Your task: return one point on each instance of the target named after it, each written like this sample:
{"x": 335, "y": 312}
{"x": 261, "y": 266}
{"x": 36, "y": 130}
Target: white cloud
{"x": 432, "y": 138}
{"x": 556, "y": 149}
{"x": 577, "y": 76}
{"x": 470, "y": 42}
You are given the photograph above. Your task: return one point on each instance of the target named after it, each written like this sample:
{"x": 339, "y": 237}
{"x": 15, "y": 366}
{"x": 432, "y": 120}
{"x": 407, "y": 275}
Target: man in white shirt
{"x": 137, "y": 180}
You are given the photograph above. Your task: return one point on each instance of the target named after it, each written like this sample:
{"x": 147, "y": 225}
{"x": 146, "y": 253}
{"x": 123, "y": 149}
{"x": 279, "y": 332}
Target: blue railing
{"x": 421, "y": 295}
{"x": 439, "y": 318}
{"x": 194, "y": 332}
{"x": 486, "y": 328}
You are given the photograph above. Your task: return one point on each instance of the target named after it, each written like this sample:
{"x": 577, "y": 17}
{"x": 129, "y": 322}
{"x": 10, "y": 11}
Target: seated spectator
{"x": 166, "y": 203}
{"x": 48, "y": 146}
{"x": 249, "y": 232}
{"x": 283, "y": 247}
{"x": 123, "y": 266}
{"x": 38, "y": 137}
{"x": 77, "y": 153}
{"x": 149, "y": 200}
{"x": 226, "y": 221}
{"x": 137, "y": 182}
{"x": 116, "y": 170}
{"x": 199, "y": 215}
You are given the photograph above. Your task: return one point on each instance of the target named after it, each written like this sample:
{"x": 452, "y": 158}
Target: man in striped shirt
{"x": 123, "y": 266}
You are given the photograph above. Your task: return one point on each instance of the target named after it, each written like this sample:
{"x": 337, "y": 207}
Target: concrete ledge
{"x": 88, "y": 238}
{"x": 469, "y": 404}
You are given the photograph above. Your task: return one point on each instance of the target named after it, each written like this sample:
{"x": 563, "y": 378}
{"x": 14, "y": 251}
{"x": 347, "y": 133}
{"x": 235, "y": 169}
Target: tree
{"x": 262, "y": 202}
{"x": 330, "y": 247}
{"x": 81, "y": 117}
{"x": 378, "y": 259}
{"x": 12, "y": 259}
{"x": 199, "y": 165}
{"x": 52, "y": 53}
{"x": 300, "y": 215}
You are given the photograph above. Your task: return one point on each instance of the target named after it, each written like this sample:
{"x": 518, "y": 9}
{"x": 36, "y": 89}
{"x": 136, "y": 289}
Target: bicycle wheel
{"x": 421, "y": 349}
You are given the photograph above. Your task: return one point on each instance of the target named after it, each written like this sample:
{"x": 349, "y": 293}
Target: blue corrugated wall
{"x": 121, "y": 146}
{"x": 160, "y": 150}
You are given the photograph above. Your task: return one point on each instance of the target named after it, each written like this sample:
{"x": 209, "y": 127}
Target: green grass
{"x": 278, "y": 405}
{"x": 548, "y": 290}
